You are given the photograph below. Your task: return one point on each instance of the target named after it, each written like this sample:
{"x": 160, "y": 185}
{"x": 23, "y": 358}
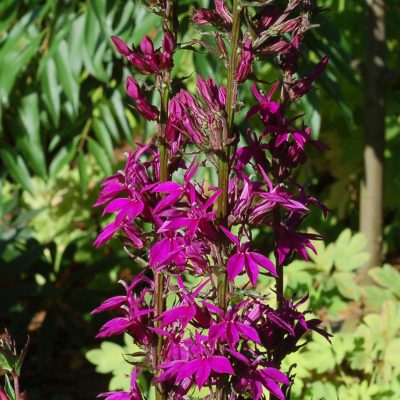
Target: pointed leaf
{"x": 67, "y": 80}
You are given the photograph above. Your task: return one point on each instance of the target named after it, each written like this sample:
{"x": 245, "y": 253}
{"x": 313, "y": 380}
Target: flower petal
{"x": 235, "y": 266}
{"x": 203, "y": 373}
{"x": 221, "y": 365}
{"x": 264, "y": 262}
{"x": 248, "y": 332}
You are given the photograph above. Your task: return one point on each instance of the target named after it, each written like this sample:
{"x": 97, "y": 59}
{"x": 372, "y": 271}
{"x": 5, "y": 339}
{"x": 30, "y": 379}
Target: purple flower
{"x": 299, "y": 87}
{"x": 146, "y": 59}
{"x": 161, "y": 206}
{"x": 245, "y": 63}
{"x": 221, "y": 17}
{"x": 250, "y": 376}
{"x": 121, "y": 46}
{"x": 133, "y": 394}
{"x": 169, "y": 250}
{"x": 270, "y": 111}
{"x": 230, "y": 329}
{"x": 3, "y": 394}
{"x": 198, "y": 217}
{"x": 248, "y": 260}
{"x": 203, "y": 364}
{"x": 142, "y": 105}
{"x": 289, "y": 240}
{"x": 135, "y": 312}
{"x": 188, "y": 310}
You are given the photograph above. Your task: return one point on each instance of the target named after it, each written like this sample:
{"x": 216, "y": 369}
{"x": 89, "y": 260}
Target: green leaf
{"x": 51, "y": 95}
{"x": 75, "y": 44}
{"x": 311, "y": 105}
{"x": 9, "y": 389}
{"x": 350, "y": 251}
{"x": 62, "y": 158}
{"x": 118, "y": 109}
{"x": 31, "y": 143}
{"x": 16, "y": 167}
{"x": 346, "y": 285}
{"x": 107, "y": 359}
{"x": 324, "y": 258}
{"x": 144, "y": 22}
{"x": 390, "y": 315}
{"x": 103, "y": 137}
{"x": 100, "y": 156}
{"x": 8, "y": 12}
{"x": 21, "y": 358}
{"x": 16, "y": 52}
{"x": 319, "y": 355}
{"x": 67, "y": 80}
{"x": 84, "y": 179}
{"x": 6, "y": 361}
{"x": 92, "y": 30}
{"x": 109, "y": 120}
{"x": 94, "y": 46}
{"x": 387, "y": 277}
{"x": 392, "y": 353}
{"x": 375, "y": 296}
{"x": 359, "y": 360}
{"x": 103, "y": 20}
{"x": 203, "y": 64}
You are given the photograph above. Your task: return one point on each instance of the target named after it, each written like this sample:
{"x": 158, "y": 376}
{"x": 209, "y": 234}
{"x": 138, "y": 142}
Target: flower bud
{"x": 143, "y": 106}
{"x": 223, "y": 11}
{"x": 245, "y": 63}
{"x": 146, "y": 45}
{"x": 167, "y": 51}
{"x": 120, "y": 46}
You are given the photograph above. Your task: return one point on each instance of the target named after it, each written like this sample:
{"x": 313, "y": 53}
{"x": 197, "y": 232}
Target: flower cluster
{"x": 216, "y": 334}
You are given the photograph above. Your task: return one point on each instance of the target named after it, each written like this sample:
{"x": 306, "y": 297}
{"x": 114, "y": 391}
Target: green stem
{"x": 279, "y": 268}
{"x": 16, "y": 386}
{"x": 170, "y": 22}
{"x": 159, "y": 278}
{"x": 223, "y": 160}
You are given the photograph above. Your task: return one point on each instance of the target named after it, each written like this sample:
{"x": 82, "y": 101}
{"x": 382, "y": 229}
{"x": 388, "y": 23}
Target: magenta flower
{"x": 250, "y": 376}
{"x": 270, "y": 111}
{"x": 170, "y": 250}
{"x": 203, "y": 364}
{"x": 290, "y": 240}
{"x": 142, "y": 105}
{"x": 221, "y": 17}
{"x": 146, "y": 59}
{"x": 269, "y": 378}
{"x": 173, "y": 223}
{"x": 3, "y": 394}
{"x": 245, "y": 63}
{"x": 248, "y": 260}
{"x": 197, "y": 218}
{"x": 230, "y": 329}
{"x": 188, "y": 310}
{"x": 135, "y": 313}
{"x": 133, "y": 394}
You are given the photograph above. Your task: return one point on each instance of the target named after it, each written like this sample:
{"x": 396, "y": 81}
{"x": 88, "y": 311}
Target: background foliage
{"x": 64, "y": 126}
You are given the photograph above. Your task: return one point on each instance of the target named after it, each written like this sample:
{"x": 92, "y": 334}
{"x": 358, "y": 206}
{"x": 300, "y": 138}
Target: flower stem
{"x": 16, "y": 386}
{"x": 164, "y": 83}
{"x": 223, "y": 160}
{"x": 159, "y": 278}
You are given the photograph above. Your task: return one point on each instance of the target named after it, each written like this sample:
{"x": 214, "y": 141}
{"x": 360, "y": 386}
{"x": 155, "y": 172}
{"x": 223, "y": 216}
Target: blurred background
{"x": 64, "y": 126}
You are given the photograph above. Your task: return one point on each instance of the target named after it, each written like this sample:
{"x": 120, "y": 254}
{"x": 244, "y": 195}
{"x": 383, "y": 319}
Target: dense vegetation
{"x": 64, "y": 126}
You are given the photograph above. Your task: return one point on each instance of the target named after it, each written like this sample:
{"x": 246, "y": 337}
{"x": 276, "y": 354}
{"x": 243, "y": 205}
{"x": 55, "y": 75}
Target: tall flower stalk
{"x": 217, "y": 335}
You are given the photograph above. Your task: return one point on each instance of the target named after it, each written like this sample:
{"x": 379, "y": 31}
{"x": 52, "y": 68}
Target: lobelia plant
{"x": 215, "y": 334}
{"x": 10, "y": 366}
